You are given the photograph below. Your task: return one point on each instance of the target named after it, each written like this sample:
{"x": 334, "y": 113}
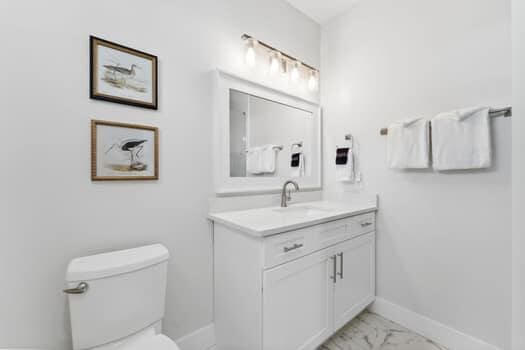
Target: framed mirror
{"x": 263, "y": 137}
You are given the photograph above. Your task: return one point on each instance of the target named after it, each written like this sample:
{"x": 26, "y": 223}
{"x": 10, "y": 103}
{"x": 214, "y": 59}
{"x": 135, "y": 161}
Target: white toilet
{"x": 117, "y": 299}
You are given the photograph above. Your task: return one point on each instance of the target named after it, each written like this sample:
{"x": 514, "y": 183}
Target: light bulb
{"x": 295, "y": 72}
{"x": 250, "y": 52}
{"x": 275, "y": 60}
{"x": 250, "y": 56}
{"x": 313, "y": 81}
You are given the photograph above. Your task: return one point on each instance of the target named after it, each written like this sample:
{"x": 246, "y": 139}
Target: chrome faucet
{"x": 287, "y": 195}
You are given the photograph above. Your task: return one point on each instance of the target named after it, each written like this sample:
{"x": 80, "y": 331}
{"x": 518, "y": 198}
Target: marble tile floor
{"x": 370, "y": 331}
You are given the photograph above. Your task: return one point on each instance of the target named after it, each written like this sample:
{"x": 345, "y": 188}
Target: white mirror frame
{"x": 226, "y": 185}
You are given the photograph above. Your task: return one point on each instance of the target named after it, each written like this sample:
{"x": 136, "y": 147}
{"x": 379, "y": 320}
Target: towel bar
{"x": 494, "y": 113}
{"x": 278, "y": 148}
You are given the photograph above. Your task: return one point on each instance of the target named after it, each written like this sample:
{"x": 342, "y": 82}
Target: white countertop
{"x": 270, "y": 221}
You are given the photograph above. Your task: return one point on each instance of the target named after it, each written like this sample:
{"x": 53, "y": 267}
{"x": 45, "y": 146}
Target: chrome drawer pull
{"x": 341, "y": 273}
{"x": 366, "y": 224}
{"x": 334, "y": 276}
{"x": 294, "y": 247}
{"x": 80, "y": 289}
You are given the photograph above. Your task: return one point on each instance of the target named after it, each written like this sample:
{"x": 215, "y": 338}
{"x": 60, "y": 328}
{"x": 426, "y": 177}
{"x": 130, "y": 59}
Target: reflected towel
{"x": 297, "y": 165}
{"x": 268, "y": 159}
{"x": 253, "y": 160}
{"x": 261, "y": 160}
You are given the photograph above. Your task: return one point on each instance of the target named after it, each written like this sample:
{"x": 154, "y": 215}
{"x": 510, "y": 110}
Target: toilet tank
{"x": 126, "y": 294}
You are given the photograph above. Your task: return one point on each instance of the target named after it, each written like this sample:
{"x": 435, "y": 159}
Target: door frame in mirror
{"x": 225, "y": 185}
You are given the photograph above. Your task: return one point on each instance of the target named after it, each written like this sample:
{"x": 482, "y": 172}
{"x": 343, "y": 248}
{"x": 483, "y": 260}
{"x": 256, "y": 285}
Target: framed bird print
{"x": 122, "y": 75}
{"x": 124, "y": 151}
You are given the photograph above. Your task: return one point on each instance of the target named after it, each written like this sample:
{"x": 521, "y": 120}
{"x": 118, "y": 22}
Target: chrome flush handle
{"x": 80, "y": 289}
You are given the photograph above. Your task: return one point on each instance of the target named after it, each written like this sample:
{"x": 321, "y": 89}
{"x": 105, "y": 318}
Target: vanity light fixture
{"x": 251, "y": 43}
{"x": 279, "y": 60}
{"x": 313, "y": 81}
{"x": 295, "y": 71}
{"x": 275, "y": 62}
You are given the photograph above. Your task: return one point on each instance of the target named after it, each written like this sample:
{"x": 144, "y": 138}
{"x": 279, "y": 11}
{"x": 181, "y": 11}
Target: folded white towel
{"x": 346, "y": 172}
{"x": 462, "y": 139}
{"x": 268, "y": 159}
{"x": 253, "y": 160}
{"x": 408, "y": 145}
{"x": 261, "y": 160}
{"x": 299, "y": 170}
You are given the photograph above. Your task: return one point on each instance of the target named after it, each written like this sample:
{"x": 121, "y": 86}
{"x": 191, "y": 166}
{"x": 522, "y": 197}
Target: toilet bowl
{"x": 157, "y": 342}
{"x": 117, "y": 300}
{"x": 147, "y": 339}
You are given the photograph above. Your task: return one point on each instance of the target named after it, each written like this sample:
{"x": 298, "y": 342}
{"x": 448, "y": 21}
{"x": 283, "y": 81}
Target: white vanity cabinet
{"x": 355, "y": 285}
{"x": 291, "y": 290}
{"x": 298, "y": 303}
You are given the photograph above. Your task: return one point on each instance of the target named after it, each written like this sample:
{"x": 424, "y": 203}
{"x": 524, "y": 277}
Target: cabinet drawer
{"x": 364, "y": 223}
{"x": 286, "y": 247}
{"x": 291, "y": 245}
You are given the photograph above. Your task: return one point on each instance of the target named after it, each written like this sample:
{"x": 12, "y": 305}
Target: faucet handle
{"x": 289, "y": 195}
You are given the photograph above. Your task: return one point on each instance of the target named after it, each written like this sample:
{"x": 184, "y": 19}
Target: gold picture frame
{"x": 124, "y": 152}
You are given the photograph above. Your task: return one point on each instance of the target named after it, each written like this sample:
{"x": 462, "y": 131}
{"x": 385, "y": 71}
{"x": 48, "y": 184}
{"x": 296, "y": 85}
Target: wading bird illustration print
{"x": 132, "y": 147}
{"x": 121, "y": 70}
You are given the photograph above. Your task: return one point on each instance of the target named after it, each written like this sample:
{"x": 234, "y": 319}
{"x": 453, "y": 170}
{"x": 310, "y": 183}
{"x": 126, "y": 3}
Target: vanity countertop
{"x": 264, "y": 222}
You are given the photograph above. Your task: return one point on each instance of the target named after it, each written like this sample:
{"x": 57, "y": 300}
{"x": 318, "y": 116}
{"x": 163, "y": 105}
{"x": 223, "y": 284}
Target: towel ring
{"x": 350, "y": 139}
{"x": 296, "y": 144}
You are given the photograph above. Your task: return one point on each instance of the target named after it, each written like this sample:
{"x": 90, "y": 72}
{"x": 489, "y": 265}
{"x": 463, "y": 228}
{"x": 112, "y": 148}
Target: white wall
{"x": 518, "y": 174}
{"x": 444, "y": 240}
{"x": 55, "y": 212}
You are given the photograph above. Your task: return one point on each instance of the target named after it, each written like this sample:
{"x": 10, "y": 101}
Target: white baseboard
{"x": 204, "y": 338}
{"x": 433, "y": 330}
{"x": 201, "y": 339}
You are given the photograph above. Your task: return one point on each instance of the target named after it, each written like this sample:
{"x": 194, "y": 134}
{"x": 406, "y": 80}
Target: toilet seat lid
{"x": 157, "y": 342}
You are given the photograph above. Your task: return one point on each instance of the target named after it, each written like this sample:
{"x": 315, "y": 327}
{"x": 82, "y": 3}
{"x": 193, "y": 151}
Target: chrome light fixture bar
{"x": 283, "y": 54}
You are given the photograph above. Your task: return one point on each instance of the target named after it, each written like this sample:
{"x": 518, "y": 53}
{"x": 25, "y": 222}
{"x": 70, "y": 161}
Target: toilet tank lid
{"x": 115, "y": 263}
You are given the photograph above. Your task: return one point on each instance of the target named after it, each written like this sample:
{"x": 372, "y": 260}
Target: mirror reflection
{"x": 269, "y": 139}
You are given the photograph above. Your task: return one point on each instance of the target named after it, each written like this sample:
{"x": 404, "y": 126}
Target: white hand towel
{"x": 253, "y": 160}
{"x": 299, "y": 170}
{"x": 462, "y": 139}
{"x": 346, "y": 172}
{"x": 268, "y": 159}
{"x": 408, "y": 145}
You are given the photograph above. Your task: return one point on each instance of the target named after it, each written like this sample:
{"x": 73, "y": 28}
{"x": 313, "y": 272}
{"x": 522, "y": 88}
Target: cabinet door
{"x": 298, "y": 303}
{"x": 355, "y": 286}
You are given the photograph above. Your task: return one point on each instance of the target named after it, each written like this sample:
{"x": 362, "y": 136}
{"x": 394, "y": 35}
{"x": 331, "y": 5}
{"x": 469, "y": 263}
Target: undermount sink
{"x": 302, "y": 210}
